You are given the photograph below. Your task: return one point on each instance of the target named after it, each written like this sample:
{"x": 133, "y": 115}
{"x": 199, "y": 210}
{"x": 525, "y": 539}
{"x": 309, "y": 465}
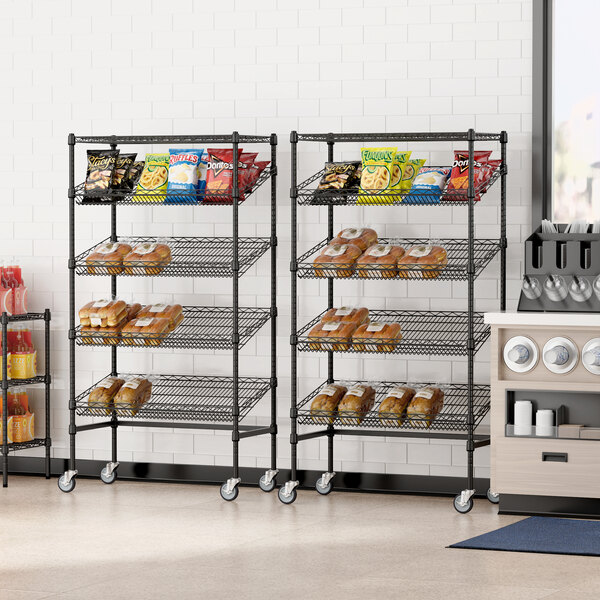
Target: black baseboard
{"x": 549, "y": 506}
{"x": 210, "y": 474}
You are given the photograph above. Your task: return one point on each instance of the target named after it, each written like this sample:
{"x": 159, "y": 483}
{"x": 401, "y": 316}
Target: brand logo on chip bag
{"x": 100, "y": 161}
{"x": 218, "y": 166}
{"x": 386, "y": 155}
{"x": 461, "y": 161}
{"x": 192, "y": 158}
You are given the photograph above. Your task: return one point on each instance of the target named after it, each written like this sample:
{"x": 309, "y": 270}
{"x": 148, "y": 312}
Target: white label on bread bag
{"x": 335, "y": 250}
{"x": 419, "y": 251}
{"x": 145, "y": 248}
{"x": 101, "y": 303}
{"x": 344, "y": 311}
{"x": 107, "y": 383}
{"x": 144, "y": 322}
{"x": 351, "y": 234}
{"x": 426, "y": 393}
{"x": 107, "y": 248}
{"x": 397, "y": 392}
{"x": 95, "y": 321}
{"x": 379, "y": 250}
{"x": 133, "y": 384}
{"x": 357, "y": 390}
{"x": 156, "y": 308}
{"x": 331, "y": 326}
{"x": 329, "y": 390}
{"x": 375, "y": 327}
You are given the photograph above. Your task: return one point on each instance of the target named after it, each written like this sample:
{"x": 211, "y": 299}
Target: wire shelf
{"x": 456, "y": 269}
{"x": 27, "y": 317}
{"x": 443, "y": 333}
{"x": 191, "y": 257}
{"x": 125, "y": 197}
{"x": 308, "y": 194}
{"x": 173, "y": 139}
{"x": 186, "y": 398}
{"x": 203, "y": 327}
{"x": 452, "y": 417}
{"x": 15, "y": 446}
{"x": 29, "y": 381}
{"x": 439, "y": 136}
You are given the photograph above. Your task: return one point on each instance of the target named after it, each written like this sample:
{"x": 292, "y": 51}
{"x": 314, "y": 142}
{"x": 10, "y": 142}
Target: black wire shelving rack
{"x": 39, "y": 442}
{"x": 446, "y": 333}
{"x": 181, "y": 401}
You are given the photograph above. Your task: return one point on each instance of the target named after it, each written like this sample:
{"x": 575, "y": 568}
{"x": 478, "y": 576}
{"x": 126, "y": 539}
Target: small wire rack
{"x": 443, "y": 333}
{"x": 28, "y": 381}
{"x": 190, "y": 257}
{"x": 308, "y": 194}
{"x": 184, "y": 398}
{"x": 15, "y": 446}
{"x": 126, "y": 197}
{"x": 203, "y": 327}
{"x": 456, "y": 269}
{"x": 452, "y": 417}
{"x": 27, "y": 317}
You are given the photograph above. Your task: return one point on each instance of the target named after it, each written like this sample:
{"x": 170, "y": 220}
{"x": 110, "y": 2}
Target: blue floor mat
{"x": 547, "y": 535}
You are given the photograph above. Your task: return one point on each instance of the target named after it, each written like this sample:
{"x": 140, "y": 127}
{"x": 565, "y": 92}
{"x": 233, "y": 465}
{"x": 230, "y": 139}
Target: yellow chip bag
{"x": 400, "y": 161}
{"x": 411, "y": 170}
{"x": 376, "y": 177}
{"x": 152, "y": 186}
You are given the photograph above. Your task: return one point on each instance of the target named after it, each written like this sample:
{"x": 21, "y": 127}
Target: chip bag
{"x": 411, "y": 169}
{"x": 400, "y": 161}
{"x": 100, "y": 172}
{"x": 134, "y": 174}
{"x": 428, "y": 185}
{"x": 122, "y": 167}
{"x": 459, "y": 179}
{"x": 219, "y": 177}
{"x": 376, "y": 177}
{"x": 244, "y": 165}
{"x": 255, "y": 172}
{"x": 153, "y": 182}
{"x": 183, "y": 175}
{"x": 338, "y": 175}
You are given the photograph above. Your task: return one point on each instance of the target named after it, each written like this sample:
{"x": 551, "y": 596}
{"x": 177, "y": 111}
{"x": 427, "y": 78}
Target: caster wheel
{"x": 493, "y": 498}
{"x": 65, "y": 487}
{"x": 229, "y": 496}
{"x": 287, "y": 499}
{"x": 462, "y": 509}
{"x": 108, "y": 479}
{"x": 323, "y": 489}
{"x": 267, "y": 487}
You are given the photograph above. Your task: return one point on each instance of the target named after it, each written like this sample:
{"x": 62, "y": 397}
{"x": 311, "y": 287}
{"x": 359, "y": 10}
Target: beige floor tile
{"x": 11, "y": 594}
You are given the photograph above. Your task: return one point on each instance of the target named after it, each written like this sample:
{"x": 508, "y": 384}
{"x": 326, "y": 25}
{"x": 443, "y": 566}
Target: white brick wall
{"x": 270, "y": 65}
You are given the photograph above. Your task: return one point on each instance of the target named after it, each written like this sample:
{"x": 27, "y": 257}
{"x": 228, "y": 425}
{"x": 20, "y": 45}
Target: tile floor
{"x": 162, "y": 541}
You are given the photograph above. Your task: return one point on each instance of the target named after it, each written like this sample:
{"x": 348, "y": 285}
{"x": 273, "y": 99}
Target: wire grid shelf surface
{"x": 27, "y": 317}
{"x": 15, "y": 446}
{"x": 196, "y": 198}
{"x": 308, "y": 194}
{"x": 452, "y": 417}
{"x": 185, "y": 398}
{"x": 191, "y": 257}
{"x": 456, "y": 269}
{"x": 203, "y": 327}
{"x": 29, "y": 381}
{"x": 433, "y": 136}
{"x": 423, "y": 332}
{"x": 172, "y": 139}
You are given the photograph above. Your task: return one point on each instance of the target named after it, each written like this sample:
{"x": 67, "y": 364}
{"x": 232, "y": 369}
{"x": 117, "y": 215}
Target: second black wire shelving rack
{"x": 183, "y": 401}
{"x": 448, "y": 333}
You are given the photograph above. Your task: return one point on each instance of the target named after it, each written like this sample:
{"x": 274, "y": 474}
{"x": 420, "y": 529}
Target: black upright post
{"x": 4, "y": 320}
{"x": 273, "y": 301}
{"x": 114, "y": 424}
{"x": 330, "y": 143}
{"x": 503, "y": 240}
{"x": 235, "y": 436}
{"x": 48, "y": 380}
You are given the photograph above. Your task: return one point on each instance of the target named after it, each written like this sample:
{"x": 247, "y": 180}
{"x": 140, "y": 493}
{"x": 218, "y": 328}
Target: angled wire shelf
{"x": 16, "y": 446}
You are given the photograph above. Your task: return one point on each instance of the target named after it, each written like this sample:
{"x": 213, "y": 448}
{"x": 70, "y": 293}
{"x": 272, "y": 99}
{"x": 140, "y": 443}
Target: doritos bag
{"x": 219, "y": 176}
{"x": 459, "y": 178}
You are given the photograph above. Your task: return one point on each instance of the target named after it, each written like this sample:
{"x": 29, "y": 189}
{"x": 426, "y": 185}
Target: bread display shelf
{"x": 191, "y": 257}
{"x": 423, "y": 332}
{"x": 452, "y": 417}
{"x": 456, "y": 269}
{"x": 124, "y": 197}
{"x": 187, "y": 398}
{"x": 203, "y": 327}
{"x": 309, "y": 195}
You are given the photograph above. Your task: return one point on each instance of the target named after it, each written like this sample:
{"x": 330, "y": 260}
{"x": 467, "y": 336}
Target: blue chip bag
{"x": 428, "y": 186}
{"x": 183, "y": 175}
{"x": 202, "y": 171}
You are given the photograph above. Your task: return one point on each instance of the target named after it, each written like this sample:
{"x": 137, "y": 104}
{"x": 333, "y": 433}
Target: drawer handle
{"x": 555, "y": 457}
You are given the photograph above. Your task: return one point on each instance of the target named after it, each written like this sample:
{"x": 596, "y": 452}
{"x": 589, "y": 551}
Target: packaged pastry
{"x": 380, "y": 261}
{"x": 148, "y": 257}
{"x": 336, "y": 337}
{"x": 104, "y": 392}
{"x": 336, "y": 260}
{"x": 427, "y": 259}
{"x": 363, "y": 237}
{"x": 338, "y": 175}
{"x": 183, "y": 176}
{"x": 154, "y": 179}
{"x": 400, "y": 161}
{"x": 152, "y": 331}
{"x": 122, "y": 166}
{"x": 411, "y": 169}
{"x": 428, "y": 185}
{"x": 323, "y": 408}
{"x": 459, "y": 178}
{"x": 345, "y": 314}
{"x": 425, "y": 406}
{"x": 219, "y": 176}
{"x": 100, "y": 171}
{"x": 103, "y": 313}
{"x": 134, "y": 174}
{"x": 356, "y": 403}
{"x": 377, "y": 337}
{"x": 376, "y": 176}
{"x": 107, "y": 258}
{"x": 393, "y": 407}
{"x": 172, "y": 312}
{"x": 132, "y": 395}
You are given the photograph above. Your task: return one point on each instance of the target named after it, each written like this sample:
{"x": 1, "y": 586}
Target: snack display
{"x": 323, "y": 408}
{"x": 107, "y": 252}
{"x": 153, "y": 182}
{"x": 380, "y": 261}
{"x": 100, "y": 171}
{"x": 400, "y": 161}
{"x": 411, "y": 169}
{"x": 428, "y": 185}
{"x": 153, "y": 329}
{"x": 172, "y": 312}
{"x": 344, "y": 314}
{"x": 429, "y": 258}
{"x": 393, "y": 407}
{"x": 336, "y": 260}
{"x": 459, "y": 178}
{"x": 377, "y": 337}
{"x": 132, "y": 395}
{"x": 155, "y": 255}
{"x": 425, "y": 406}
{"x": 331, "y": 336}
{"x": 219, "y": 177}
{"x": 362, "y": 237}
{"x": 122, "y": 166}
{"x": 377, "y": 167}
{"x": 103, "y": 313}
{"x": 356, "y": 403}
{"x": 104, "y": 392}
{"x": 338, "y": 175}
{"x": 183, "y": 175}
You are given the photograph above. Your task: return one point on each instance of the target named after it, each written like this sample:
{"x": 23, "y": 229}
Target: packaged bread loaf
{"x": 356, "y": 403}
{"x": 425, "y": 406}
{"x": 428, "y": 260}
{"x": 345, "y": 314}
{"x": 363, "y": 237}
{"x": 111, "y": 335}
{"x": 172, "y": 312}
{"x": 132, "y": 395}
{"x": 331, "y": 336}
{"x": 393, "y": 408}
{"x": 379, "y": 261}
{"x": 377, "y": 336}
{"x": 107, "y": 258}
{"x": 103, "y": 313}
{"x": 336, "y": 260}
{"x": 152, "y": 331}
{"x": 149, "y": 257}
{"x": 133, "y": 309}
{"x": 323, "y": 408}
{"x": 102, "y": 395}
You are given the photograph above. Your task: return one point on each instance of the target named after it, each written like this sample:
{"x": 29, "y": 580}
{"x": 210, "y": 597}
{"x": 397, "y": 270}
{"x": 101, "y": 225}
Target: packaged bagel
{"x": 380, "y": 261}
{"x": 411, "y": 170}
{"x": 183, "y": 176}
{"x": 148, "y": 258}
{"x": 323, "y": 408}
{"x": 425, "y": 406}
{"x": 107, "y": 258}
{"x": 154, "y": 179}
{"x": 392, "y": 410}
{"x": 363, "y": 237}
{"x": 100, "y": 172}
{"x": 336, "y": 260}
{"x": 376, "y": 177}
{"x": 426, "y": 260}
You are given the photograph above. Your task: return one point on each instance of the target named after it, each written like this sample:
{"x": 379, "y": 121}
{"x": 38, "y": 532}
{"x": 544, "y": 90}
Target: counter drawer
{"x": 549, "y": 467}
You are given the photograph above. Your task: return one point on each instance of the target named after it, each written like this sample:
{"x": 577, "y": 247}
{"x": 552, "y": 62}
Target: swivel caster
{"x": 229, "y": 490}
{"x": 268, "y": 482}
{"x": 463, "y": 503}
{"x": 324, "y": 484}
{"x": 493, "y": 497}
{"x": 66, "y": 482}
{"x": 287, "y": 493}
{"x": 109, "y": 473}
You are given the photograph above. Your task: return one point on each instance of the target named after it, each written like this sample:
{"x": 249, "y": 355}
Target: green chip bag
{"x": 152, "y": 186}
{"x": 411, "y": 170}
{"x": 400, "y": 161}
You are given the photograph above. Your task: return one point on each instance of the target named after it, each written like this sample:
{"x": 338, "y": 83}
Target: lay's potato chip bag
{"x": 376, "y": 177}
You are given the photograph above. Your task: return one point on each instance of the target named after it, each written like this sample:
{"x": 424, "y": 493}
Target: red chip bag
{"x": 486, "y": 172}
{"x": 255, "y": 172}
{"x": 219, "y": 175}
{"x": 244, "y": 165}
{"x": 459, "y": 178}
